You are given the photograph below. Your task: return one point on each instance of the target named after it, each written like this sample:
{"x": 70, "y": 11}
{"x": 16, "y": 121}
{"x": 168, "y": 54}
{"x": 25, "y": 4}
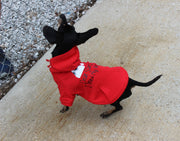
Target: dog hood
{"x": 65, "y": 62}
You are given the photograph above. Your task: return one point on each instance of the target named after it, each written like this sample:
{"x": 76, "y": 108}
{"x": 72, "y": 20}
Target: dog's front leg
{"x": 64, "y": 109}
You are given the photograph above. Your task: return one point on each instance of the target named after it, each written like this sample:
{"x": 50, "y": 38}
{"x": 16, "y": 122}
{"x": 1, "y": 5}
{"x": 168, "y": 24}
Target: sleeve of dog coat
{"x": 66, "y": 98}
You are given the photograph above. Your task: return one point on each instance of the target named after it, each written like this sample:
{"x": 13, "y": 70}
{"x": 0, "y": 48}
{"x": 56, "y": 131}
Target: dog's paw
{"x": 64, "y": 109}
{"x": 110, "y": 112}
{"x": 105, "y": 115}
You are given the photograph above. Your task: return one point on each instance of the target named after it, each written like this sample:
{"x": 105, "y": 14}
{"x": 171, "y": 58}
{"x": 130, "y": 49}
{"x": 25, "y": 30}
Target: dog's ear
{"x": 50, "y": 34}
{"x": 63, "y": 23}
{"x": 83, "y": 37}
{"x": 64, "y": 26}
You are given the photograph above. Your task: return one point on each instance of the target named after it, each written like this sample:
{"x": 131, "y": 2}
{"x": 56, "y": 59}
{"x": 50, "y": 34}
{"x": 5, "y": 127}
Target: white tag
{"x": 79, "y": 70}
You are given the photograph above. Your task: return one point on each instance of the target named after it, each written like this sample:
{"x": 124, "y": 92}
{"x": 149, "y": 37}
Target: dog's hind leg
{"x": 127, "y": 93}
{"x": 117, "y": 107}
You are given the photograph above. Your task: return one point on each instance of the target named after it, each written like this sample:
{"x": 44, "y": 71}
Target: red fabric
{"x": 97, "y": 84}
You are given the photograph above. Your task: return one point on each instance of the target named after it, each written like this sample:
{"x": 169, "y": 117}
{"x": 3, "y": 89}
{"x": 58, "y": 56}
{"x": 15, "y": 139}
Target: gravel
{"x": 21, "y": 26}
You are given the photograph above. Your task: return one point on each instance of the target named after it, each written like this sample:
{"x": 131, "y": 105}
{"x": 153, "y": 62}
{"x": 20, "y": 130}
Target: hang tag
{"x": 79, "y": 70}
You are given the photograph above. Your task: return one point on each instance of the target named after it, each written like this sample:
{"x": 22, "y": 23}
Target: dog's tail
{"x": 146, "y": 84}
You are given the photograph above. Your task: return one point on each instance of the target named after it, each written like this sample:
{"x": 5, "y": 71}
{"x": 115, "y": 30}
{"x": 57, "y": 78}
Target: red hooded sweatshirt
{"x": 97, "y": 84}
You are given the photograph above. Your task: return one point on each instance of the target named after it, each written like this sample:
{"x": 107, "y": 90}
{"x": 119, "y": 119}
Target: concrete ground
{"x": 141, "y": 36}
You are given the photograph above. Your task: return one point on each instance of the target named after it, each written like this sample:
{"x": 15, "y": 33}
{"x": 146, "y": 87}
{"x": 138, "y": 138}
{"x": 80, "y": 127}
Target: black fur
{"x": 66, "y": 37}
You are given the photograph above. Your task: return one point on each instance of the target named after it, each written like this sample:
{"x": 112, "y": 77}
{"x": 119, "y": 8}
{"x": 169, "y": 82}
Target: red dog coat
{"x": 97, "y": 84}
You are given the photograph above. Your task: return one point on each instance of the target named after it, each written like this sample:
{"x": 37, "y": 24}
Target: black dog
{"x": 66, "y": 38}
